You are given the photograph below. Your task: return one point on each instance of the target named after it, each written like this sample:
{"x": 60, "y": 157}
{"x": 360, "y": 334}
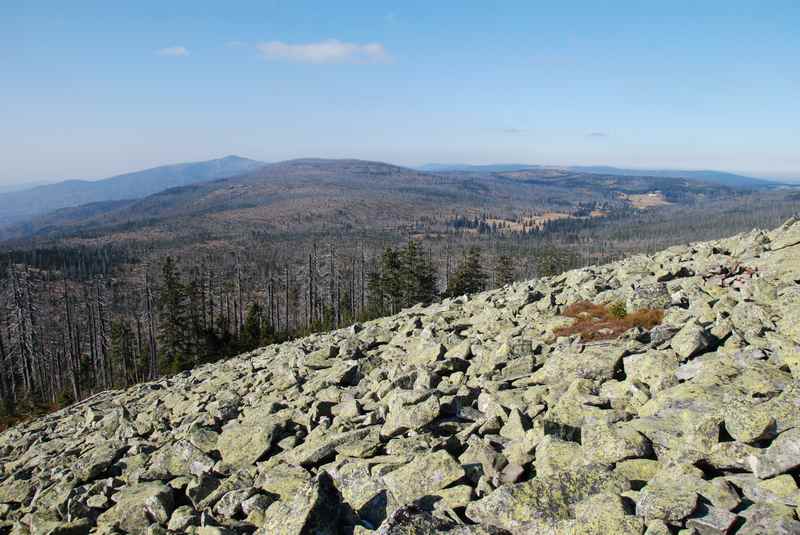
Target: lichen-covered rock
{"x": 667, "y": 498}
{"x": 656, "y": 369}
{"x": 690, "y": 340}
{"x": 94, "y": 463}
{"x": 653, "y": 295}
{"x": 179, "y": 459}
{"x": 244, "y": 444}
{"x": 402, "y": 418}
{"x": 610, "y": 443}
{"x": 425, "y": 475}
{"x": 541, "y": 503}
{"x": 603, "y": 514}
{"x": 314, "y": 509}
{"x": 781, "y": 456}
{"x": 139, "y": 506}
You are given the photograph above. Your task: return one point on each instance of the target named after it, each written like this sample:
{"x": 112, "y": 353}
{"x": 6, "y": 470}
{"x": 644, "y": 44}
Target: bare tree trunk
{"x": 363, "y": 275}
{"x": 103, "y": 337}
{"x": 138, "y": 376}
{"x": 73, "y": 352}
{"x": 152, "y": 371}
{"x": 286, "y": 303}
{"x": 333, "y": 288}
{"x": 240, "y": 326}
{"x": 7, "y": 377}
{"x": 211, "y": 301}
{"x": 310, "y": 290}
{"x": 22, "y": 329}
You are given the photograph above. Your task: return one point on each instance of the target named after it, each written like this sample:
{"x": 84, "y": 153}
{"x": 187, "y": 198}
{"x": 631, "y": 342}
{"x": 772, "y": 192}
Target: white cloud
{"x": 174, "y": 51}
{"x": 329, "y": 51}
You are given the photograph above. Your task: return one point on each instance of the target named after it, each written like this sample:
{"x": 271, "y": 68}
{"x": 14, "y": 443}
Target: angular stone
{"x": 402, "y": 418}
{"x": 654, "y": 296}
{"x": 554, "y": 456}
{"x": 365, "y": 494}
{"x": 666, "y": 498}
{"x": 243, "y": 444}
{"x": 639, "y": 471}
{"x": 314, "y": 509}
{"x": 772, "y": 519}
{"x": 541, "y": 503}
{"x": 284, "y": 480}
{"x": 516, "y": 426}
{"x": 711, "y": 521}
{"x": 96, "y": 462}
{"x": 183, "y": 517}
{"x": 781, "y": 456}
{"x": 411, "y": 520}
{"x": 425, "y": 475}
{"x": 179, "y": 459}
{"x": 138, "y": 506}
{"x": 656, "y": 369}
{"x": 608, "y": 444}
{"x": 324, "y": 445}
{"x": 749, "y": 426}
{"x": 426, "y": 353}
{"x": 690, "y": 340}
{"x": 604, "y": 514}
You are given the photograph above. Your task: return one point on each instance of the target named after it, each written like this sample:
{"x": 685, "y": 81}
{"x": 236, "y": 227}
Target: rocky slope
{"x": 465, "y": 417}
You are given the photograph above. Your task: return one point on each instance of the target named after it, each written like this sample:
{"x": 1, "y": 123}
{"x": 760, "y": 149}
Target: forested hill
{"x": 714, "y": 177}
{"x": 654, "y": 395}
{"x": 20, "y": 205}
{"x": 353, "y": 193}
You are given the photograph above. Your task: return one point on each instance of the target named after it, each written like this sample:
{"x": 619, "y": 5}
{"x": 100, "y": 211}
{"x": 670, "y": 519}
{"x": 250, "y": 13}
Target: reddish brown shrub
{"x": 599, "y": 322}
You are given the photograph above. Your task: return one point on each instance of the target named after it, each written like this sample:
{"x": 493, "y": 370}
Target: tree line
{"x": 63, "y": 338}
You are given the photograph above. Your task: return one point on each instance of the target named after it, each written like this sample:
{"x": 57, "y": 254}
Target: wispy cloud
{"x": 329, "y": 51}
{"x": 513, "y": 130}
{"x": 596, "y": 134}
{"x": 173, "y": 51}
{"x": 235, "y": 44}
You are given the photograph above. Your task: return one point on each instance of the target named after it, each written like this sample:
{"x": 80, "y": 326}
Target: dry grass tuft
{"x": 606, "y": 322}
{"x": 9, "y": 421}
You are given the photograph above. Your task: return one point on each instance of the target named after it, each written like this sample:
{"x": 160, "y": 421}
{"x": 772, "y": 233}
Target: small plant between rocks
{"x": 606, "y": 322}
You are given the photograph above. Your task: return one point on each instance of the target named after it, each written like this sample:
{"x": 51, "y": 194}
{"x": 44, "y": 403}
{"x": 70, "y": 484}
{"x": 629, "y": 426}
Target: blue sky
{"x": 94, "y": 88}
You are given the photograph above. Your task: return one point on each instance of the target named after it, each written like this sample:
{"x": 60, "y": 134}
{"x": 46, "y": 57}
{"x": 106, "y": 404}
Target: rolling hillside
{"x": 17, "y": 206}
{"x": 714, "y": 177}
{"x": 316, "y": 194}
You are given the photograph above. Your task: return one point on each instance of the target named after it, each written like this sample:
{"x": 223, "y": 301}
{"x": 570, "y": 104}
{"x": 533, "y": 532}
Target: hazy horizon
{"x": 103, "y": 89}
{"x": 15, "y": 186}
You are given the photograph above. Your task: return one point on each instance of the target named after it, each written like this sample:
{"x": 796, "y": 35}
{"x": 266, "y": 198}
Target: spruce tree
{"x": 418, "y": 276}
{"x": 254, "y": 329}
{"x": 504, "y": 270}
{"x": 175, "y": 324}
{"x": 469, "y": 276}
{"x": 389, "y": 282}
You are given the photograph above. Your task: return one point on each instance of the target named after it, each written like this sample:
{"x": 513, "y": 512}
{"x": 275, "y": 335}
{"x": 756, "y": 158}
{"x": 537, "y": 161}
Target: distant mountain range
{"x": 8, "y": 188}
{"x": 715, "y": 177}
{"x": 318, "y": 195}
{"x": 74, "y": 200}
{"x": 20, "y": 205}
